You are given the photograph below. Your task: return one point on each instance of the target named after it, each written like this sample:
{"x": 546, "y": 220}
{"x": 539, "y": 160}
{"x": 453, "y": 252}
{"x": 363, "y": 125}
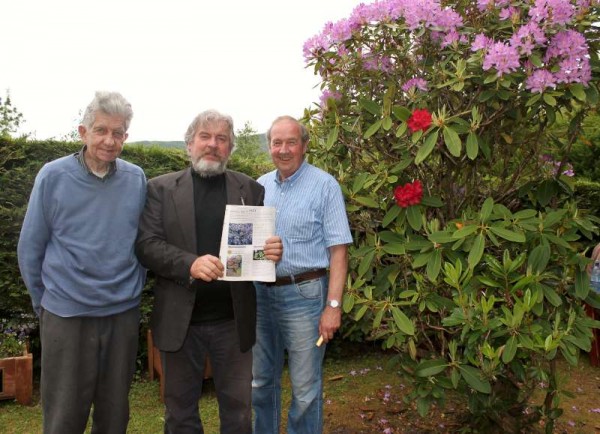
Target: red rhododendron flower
{"x": 409, "y": 194}
{"x": 419, "y": 120}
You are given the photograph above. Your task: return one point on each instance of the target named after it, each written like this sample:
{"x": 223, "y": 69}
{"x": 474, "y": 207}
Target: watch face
{"x": 333, "y": 303}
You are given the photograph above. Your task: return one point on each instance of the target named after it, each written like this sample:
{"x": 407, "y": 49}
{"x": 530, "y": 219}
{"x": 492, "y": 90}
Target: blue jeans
{"x": 288, "y": 319}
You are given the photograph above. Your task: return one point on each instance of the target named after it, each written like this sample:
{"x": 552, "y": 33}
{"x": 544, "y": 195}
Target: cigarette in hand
{"x": 320, "y": 341}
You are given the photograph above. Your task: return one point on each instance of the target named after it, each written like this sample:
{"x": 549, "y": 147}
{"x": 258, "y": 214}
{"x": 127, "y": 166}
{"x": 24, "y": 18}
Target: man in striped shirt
{"x": 303, "y": 306}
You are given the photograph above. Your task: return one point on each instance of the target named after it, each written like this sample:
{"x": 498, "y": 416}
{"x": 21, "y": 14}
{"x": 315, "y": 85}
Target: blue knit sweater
{"x": 76, "y": 248}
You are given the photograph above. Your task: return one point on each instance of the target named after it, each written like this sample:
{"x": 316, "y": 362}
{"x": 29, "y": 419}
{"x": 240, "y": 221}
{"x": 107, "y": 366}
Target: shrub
{"x": 437, "y": 119}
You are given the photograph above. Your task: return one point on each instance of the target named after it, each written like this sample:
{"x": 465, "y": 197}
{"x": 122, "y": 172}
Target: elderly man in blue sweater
{"x": 76, "y": 255}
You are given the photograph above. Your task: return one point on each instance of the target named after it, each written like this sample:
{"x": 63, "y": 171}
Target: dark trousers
{"x": 183, "y": 373}
{"x": 87, "y": 361}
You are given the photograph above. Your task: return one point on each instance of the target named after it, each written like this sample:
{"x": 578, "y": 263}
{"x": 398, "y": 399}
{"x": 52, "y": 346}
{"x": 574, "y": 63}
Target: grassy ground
{"x": 363, "y": 394}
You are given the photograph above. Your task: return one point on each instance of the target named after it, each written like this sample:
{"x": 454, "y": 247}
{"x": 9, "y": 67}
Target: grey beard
{"x": 207, "y": 169}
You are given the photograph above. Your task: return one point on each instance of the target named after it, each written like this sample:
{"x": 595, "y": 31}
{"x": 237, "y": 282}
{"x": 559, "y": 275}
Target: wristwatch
{"x": 333, "y": 303}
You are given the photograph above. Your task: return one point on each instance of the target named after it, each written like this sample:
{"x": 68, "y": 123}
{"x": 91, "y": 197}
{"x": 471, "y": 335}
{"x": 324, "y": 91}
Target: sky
{"x": 170, "y": 58}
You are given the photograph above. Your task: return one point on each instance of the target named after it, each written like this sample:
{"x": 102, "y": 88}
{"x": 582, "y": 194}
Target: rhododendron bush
{"x": 449, "y": 126}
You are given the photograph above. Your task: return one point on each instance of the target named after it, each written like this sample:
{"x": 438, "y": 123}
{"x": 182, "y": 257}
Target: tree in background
{"x": 73, "y": 135}
{"x": 249, "y": 156}
{"x": 248, "y": 143}
{"x": 10, "y": 117}
{"x": 436, "y": 118}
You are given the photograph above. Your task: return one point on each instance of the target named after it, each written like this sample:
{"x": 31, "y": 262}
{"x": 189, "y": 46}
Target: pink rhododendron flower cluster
{"x": 327, "y": 95}
{"x": 541, "y": 30}
{"x": 415, "y": 83}
{"x": 416, "y": 13}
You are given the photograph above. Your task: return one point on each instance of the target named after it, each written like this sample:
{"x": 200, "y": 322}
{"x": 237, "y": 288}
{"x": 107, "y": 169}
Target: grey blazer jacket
{"x": 166, "y": 245}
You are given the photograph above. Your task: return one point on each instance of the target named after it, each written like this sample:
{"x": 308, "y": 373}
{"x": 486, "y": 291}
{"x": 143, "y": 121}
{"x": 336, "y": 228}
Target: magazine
{"x": 245, "y": 230}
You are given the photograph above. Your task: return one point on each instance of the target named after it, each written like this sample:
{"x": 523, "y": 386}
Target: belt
{"x": 297, "y": 278}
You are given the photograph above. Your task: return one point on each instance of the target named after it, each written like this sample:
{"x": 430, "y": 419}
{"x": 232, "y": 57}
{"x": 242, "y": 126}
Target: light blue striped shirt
{"x": 311, "y": 216}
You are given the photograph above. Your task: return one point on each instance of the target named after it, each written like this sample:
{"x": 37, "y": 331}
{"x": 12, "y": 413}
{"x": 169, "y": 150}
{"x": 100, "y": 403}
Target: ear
{"x": 82, "y": 131}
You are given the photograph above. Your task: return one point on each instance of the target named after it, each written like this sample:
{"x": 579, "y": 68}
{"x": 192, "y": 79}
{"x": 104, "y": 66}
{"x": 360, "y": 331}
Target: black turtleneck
{"x": 213, "y": 299}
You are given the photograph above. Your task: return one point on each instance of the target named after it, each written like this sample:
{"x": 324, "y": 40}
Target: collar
{"x": 295, "y": 175}
{"x": 112, "y": 167}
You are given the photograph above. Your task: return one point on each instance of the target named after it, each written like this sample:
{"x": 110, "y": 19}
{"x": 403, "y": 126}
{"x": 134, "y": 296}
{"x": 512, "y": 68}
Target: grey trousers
{"x": 87, "y": 361}
{"x": 183, "y": 373}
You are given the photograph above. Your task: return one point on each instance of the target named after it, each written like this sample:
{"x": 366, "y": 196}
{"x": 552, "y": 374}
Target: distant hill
{"x": 181, "y": 145}
{"x": 174, "y": 144}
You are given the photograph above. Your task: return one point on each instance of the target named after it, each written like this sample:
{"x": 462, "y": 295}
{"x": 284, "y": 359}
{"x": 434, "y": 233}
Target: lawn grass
{"x": 363, "y": 394}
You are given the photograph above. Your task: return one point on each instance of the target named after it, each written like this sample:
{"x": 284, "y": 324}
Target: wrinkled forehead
{"x": 214, "y": 127}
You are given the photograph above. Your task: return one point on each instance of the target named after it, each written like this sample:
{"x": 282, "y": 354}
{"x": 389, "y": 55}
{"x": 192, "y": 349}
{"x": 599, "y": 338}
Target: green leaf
{"x": 549, "y": 99}
{"x": 551, "y": 295}
{"x": 516, "y": 237}
{"x": 578, "y": 91}
{"x": 490, "y": 78}
{"x": 366, "y": 262}
{"x": 591, "y": 94}
{"x": 421, "y": 259}
{"x": 536, "y": 60}
{"x": 452, "y": 141}
{"x": 472, "y": 376}
{"x": 539, "y": 257}
{"x": 553, "y": 217}
{"x": 429, "y": 368}
{"x": 472, "y": 146}
{"x": 559, "y": 241}
{"x": 427, "y": 147}
{"x": 401, "y": 130}
{"x": 387, "y": 123}
{"x": 465, "y": 231}
{"x": 486, "y": 95}
{"x": 432, "y": 201}
{"x": 390, "y": 216}
{"x": 455, "y": 377}
{"x": 476, "y": 251}
{"x": 546, "y": 191}
{"x": 378, "y": 318}
{"x": 366, "y": 201}
{"x": 359, "y": 181}
{"x": 389, "y": 237}
{"x": 510, "y": 349}
{"x": 441, "y": 237}
{"x": 372, "y": 129}
{"x": 401, "y": 113}
{"x": 394, "y": 249}
{"x": 531, "y": 101}
{"x": 413, "y": 214}
{"x": 403, "y": 322}
{"x": 434, "y": 265}
{"x": 361, "y": 312}
{"x": 582, "y": 287}
{"x": 371, "y": 106}
{"x": 332, "y": 137}
{"x": 486, "y": 209}
{"x": 489, "y": 282}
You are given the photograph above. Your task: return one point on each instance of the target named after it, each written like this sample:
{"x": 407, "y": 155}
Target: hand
{"x": 207, "y": 268}
{"x": 331, "y": 320}
{"x": 273, "y": 248}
